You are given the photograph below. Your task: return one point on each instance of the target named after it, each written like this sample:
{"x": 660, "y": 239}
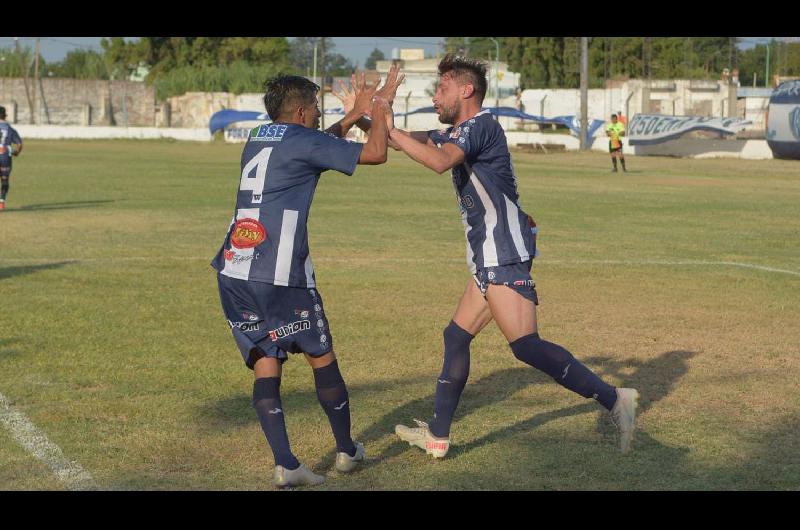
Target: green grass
{"x": 113, "y": 343}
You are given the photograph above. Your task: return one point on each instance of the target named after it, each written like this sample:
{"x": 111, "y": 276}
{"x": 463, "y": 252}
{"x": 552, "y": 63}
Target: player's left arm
{"x": 427, "y": 154}
{"x": 16, "y": 141}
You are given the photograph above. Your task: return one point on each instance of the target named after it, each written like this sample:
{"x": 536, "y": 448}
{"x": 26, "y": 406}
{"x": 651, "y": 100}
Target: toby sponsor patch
{"x": 247, "y": 233}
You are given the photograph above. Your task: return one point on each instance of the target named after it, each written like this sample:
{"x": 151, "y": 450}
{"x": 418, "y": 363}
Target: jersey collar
{"x": 472, "y": 118}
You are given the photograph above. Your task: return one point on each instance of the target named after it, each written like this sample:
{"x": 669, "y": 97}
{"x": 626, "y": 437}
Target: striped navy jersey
{"x": 267, "y": 240}
{"x": 498, "y": 231}
{"x": 8, "y": 136}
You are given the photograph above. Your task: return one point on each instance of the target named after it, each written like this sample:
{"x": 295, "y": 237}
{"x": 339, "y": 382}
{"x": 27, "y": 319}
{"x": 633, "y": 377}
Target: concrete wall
{"x": 56, "y": 132}
{"x": 80, "y": 102}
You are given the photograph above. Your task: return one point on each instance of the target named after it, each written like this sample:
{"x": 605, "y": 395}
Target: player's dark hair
{"x": 286, "y": 91}
{"x": 465, "y": 70}
{"x": 613, "y": 115}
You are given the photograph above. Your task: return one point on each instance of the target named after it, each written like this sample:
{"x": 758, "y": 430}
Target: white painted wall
{"x": 56, "y": 132}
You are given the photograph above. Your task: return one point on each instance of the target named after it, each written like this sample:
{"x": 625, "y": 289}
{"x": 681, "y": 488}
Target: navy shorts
{"x": 5, "y": 165}
{"x": 517, "y": 276}
{"x": 273, "y": 320}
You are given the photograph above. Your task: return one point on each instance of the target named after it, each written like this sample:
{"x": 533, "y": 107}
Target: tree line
{"x": 554, "y": 62}
{"x": 176, "y": 65}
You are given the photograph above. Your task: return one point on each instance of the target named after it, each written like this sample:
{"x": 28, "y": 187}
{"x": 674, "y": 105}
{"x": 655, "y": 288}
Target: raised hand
{"x": 347, "y": 95}
{"x": 363, "y": 95}
{"x": 393, "y": 80}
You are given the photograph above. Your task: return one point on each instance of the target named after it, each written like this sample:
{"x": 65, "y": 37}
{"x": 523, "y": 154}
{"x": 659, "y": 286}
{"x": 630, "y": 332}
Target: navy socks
{"x": 332, "y": 395}
{"x": 267, "y": 402}
{"x": 452, "y": 379}
{"x": 567, "y": 371}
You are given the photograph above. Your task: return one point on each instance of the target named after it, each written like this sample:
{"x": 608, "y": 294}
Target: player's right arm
{"x": 427, "y": 154}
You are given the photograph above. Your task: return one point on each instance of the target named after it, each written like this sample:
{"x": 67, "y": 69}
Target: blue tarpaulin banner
{"x": 646, "y": 129}
{"x": 220, "y": 120}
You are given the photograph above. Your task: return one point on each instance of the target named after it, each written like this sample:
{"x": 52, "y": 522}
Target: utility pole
{"x": 24, "y": 72}
{"x": 322, "y": 84}
{"x": 584, "y": 91}
{"x": 766, "y": 74}
{"x": 496, "y": 75}
{"x": 36, "y": 82}
{"x": 314, "y": 75}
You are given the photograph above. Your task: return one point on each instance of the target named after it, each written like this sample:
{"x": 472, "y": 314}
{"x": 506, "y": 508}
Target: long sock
{"x": 452, "y": 379}
{"x": 333, "y": 397}
{"x": 614, "y": 160}
{"x": 622, "y": 159}
{"x": 4, "y": 188}
{"x": 267, "y": 402}
{"x": 562, "y": 366}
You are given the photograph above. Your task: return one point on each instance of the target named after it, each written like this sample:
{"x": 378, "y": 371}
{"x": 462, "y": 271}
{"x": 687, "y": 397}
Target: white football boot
{"x": 346, "y": 463}
{"x": 302, "y": 476}
{"x": 623, "y": 414}
{"x": 422, "y": 437}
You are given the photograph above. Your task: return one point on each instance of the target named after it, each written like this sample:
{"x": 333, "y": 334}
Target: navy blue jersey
{"x": 498, "y": 231}
{"x": 8, "y": 136}
{"x": 267, "y": 240}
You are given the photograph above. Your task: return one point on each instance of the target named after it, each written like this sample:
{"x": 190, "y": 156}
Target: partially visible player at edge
{"x": 500, "y": 247}
{"x": 265, "y": 273}
{"x": 10, "y": 145}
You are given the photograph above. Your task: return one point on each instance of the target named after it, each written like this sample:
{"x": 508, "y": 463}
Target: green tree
{"x": 80, "y": 64}
{"x": 373, "y": 58}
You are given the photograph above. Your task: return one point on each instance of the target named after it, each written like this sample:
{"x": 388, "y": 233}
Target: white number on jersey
{"x": 256, "y": 183}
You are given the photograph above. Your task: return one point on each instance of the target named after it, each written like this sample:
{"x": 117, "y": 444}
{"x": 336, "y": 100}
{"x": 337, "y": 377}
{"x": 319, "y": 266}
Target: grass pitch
{"x": 113, "y": 343}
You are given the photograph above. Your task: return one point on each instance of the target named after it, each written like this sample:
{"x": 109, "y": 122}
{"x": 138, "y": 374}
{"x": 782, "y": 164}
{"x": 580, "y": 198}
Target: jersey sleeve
{"x": 472, "y": 136}
{"x": 14, "y": 137}
{"x": 330, "y": 152}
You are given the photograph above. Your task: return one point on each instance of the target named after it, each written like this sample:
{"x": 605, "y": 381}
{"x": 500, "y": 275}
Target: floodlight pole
{"x": 584, "y": 91}
{"x": 496, "y": 71}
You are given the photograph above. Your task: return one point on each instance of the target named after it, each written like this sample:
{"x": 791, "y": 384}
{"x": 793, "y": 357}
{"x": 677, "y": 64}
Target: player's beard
{"x": 448, "y": 114}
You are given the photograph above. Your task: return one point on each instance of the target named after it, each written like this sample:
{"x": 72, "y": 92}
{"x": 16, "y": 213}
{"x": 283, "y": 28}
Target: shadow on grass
{"x": 237, "y": 411}
{"x": 655, "y": 379}
{"x": 5, "y": 351}
{"x": 21, "y": 270}
{"x": 59, "y": 205}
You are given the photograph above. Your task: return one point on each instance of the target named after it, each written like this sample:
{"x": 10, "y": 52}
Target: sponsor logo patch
{"x": 522, "y": 283}
{"x": 244, "y": 326}
{"x": 289, "y": 329}
{"x": 268, "y": 133}
{"x": 229, "y": 254}
{"x": 302, "y": 313}
{"x": 247, "y": 233}
{"x": 252, "y": 317}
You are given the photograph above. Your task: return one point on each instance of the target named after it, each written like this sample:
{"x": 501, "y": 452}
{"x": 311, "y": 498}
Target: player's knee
{"x": 266, "y": 391}
{"x": 456, "y": 339}
{"x": 545, "y": 356}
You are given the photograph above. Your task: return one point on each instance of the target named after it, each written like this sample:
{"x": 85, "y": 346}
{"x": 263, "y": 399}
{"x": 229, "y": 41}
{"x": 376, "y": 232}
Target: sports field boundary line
{"x": 539, "y": 262}
{"x": 34, "y": 441}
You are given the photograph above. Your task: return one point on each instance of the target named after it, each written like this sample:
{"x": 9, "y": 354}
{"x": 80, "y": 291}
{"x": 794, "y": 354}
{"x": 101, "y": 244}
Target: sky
{"x": 357, "y": 49}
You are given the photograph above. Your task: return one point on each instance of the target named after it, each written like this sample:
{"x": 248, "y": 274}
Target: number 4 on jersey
{"x": 256, "y": 182}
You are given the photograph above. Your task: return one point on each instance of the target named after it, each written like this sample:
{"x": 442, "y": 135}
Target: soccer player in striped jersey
{"x": 501, "y": 245}
{"x": 265, "y": 273}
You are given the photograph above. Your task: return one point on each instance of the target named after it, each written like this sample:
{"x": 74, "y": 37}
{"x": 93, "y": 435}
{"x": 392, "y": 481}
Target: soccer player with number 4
{"x": 265, "y": 273}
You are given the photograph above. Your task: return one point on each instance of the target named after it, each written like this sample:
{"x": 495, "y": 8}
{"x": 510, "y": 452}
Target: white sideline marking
{"x": 35, "y": 442}
{"x": 539, "y": 262}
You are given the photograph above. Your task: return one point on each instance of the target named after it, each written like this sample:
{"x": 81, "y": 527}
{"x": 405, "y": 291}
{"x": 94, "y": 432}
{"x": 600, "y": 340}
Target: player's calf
{"x": 562, "y": 366}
